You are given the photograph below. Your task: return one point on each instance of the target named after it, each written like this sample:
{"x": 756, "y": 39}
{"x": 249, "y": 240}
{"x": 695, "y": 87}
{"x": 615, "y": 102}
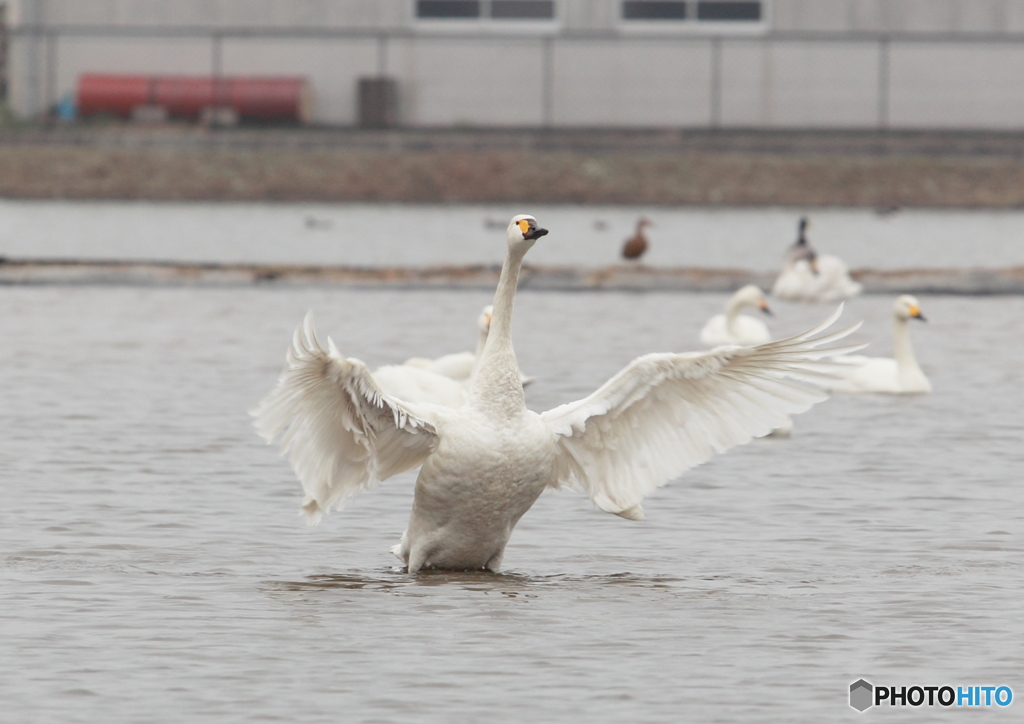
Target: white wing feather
{"x": 341, "y": 433}
{"x": 666, "y": 413}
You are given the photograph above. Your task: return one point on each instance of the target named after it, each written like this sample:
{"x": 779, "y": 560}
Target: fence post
{"x": 382, "y": 55}
{"x": 216, "y": 55}
{"x": 883, "y": 83}
{"x": 716, "y": 82}
{"x": 547, "y": 82}
{"x": 50, "y": 77}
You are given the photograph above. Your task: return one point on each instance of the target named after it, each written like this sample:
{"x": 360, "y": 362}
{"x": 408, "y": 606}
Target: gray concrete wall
{"x": 908, "y": 16}
{"x": 899, "y": 16}
{"x": 215, "y": 13}
{"x": 812, "y": 63}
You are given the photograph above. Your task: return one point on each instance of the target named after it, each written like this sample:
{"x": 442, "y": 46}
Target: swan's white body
{"x": 456, "y": 366}
{"x": 485, "y": 463}
{"x": 735, "y": 328}
{"x": 811, "y": 277}
{"x": 799, "y": 283}
{"x": 413, "y": 384}
{"x": 898, "y": 375}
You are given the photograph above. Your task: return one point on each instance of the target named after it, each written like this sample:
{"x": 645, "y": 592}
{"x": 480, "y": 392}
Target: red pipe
{"x": 186, "y": 97}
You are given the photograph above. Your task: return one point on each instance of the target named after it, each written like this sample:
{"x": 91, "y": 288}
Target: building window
{"x": 486, "y": 9}
{"x": 729, "y": 10}
{"x": 448, "y": 8}
{"x": 653, "y": 10}
{"x": 692, "y": 13}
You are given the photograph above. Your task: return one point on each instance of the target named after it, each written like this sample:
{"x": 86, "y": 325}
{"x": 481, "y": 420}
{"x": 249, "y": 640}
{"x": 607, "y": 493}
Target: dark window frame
{"x": 486, "y": 11}
{"x": 434, "y": 9}
{"x": 730, "y": 11}
{"x": 693, "y": 14}
{"x": 654, "y": 10}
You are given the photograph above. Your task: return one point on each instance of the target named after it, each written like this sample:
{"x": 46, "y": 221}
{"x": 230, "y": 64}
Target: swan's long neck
{"x": 481, "y": 341}
{"x": 498, "y": 381}
{"x": 906, "y": 362}
{"x": 732, "y": 313}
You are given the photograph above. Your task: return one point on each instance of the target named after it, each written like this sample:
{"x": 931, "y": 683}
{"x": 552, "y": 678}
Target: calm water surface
{"x": 153, "y": 566}
{"x": 422, "y": 235}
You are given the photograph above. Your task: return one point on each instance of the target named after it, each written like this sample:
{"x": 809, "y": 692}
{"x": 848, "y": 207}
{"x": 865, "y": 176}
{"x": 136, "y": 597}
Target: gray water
{"x": 153, "y": 565}
{"x": 421, "y": 235}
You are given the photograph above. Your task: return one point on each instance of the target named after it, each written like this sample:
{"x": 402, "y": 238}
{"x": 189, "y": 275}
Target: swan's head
{"x": 752, "y": 296}
{"x": 906, "y": 307}
{"x": 483, "y": 322}
{"x": 523, "y": 232}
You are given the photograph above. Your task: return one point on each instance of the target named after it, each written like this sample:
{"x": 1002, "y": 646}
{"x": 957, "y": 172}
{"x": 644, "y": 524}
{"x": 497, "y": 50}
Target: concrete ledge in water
{"x": 561, "y": 278}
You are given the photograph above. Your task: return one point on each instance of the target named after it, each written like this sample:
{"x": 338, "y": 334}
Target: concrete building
{"x": 557, "y": 63}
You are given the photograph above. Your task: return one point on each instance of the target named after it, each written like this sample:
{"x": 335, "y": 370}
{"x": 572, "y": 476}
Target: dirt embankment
{"x": 670, "y": 168}
{"x": 623, "y": 277}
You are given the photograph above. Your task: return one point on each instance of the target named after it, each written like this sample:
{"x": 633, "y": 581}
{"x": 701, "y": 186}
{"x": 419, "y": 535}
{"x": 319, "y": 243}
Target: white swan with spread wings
{"x": 485, "y": 463}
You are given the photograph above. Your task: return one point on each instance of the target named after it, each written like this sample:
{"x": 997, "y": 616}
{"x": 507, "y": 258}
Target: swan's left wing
{"x": 666, "y": 413}
{"x": 342, "y": 433}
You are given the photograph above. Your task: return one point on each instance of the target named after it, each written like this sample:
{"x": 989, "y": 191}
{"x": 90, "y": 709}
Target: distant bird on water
{"x": 312, "y": 222}
{"x": 636, "y": 245}
{"x": 808, "y": 276}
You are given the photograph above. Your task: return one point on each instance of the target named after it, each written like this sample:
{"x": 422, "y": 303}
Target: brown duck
{"x": 636, "y": 245}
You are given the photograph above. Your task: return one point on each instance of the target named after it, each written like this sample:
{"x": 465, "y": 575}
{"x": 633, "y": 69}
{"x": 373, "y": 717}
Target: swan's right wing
{"x": 665, "y": 413}
{"x": 341, "y": 433}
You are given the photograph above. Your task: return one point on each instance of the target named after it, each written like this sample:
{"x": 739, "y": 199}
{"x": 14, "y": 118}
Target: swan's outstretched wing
{"x": 342, "y": 434}
{"x": 665, "y": 413}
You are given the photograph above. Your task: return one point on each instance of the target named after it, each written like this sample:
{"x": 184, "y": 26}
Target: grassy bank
{"x": 181, "y": 164}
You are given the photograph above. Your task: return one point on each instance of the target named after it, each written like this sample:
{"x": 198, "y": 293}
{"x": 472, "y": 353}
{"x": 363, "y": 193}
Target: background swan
{"x": 811, "y": 277}
{"x": 896, "y": 375}
{"x": 413, "y": 384}
{"x": 458, "y": 365}
{"x": 442, "y": 381}
{"x": 735, "y": 328}
{"x": 485, "y": 463}
{"x": 462, "y": 366}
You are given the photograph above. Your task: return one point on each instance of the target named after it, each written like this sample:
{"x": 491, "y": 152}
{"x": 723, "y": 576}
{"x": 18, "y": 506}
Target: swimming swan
{"x": 883, "y": 374}
{"x": 412, "y": 384}
{"x": 459, "y": 365}
{"x": 735, "y": 328}
{"x": 811, "y": 277}
{"x": 443, "y": 381}
{"x": 485, "y": 463}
